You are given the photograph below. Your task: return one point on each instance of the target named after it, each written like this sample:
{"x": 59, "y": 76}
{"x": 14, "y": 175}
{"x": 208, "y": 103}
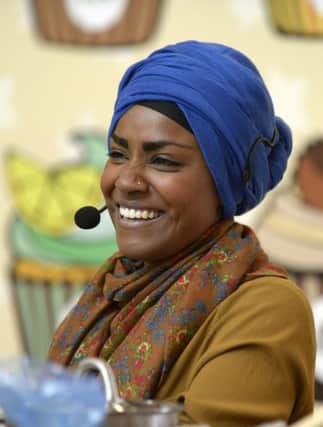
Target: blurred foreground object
{"x": 313, "y": 420}
{"x": 129, "y": 413}
{"x": 36, "y": 394}
{"x": 301, "y": 17}
{"x": 96, "y": 22}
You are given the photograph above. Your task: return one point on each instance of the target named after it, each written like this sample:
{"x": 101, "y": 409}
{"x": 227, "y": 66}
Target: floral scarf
{"x": 140, "y": 318}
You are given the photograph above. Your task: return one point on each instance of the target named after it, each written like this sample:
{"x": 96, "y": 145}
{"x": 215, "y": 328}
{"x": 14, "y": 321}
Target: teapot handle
{"x": 91, "y": 364}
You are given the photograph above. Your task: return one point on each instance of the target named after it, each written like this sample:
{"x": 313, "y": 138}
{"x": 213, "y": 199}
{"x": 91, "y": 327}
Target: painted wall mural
{"x": 292, "y": 234}
{"x": 299, "y": 17}
{"x": 52, "y": 260}
{"x": 96, "y": 22}
{"x": 57, "y": 90}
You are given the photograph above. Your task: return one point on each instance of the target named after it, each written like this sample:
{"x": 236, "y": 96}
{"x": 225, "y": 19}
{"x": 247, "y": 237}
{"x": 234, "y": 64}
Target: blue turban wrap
{"x": 228, "y": 107}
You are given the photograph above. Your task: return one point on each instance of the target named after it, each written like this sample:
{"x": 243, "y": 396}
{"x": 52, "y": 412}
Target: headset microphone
{"x": 88, "y": 216}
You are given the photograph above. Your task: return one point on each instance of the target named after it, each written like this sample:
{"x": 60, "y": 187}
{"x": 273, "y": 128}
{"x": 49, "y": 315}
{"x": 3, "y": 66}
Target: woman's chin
{"x": 132, "y": 249}
{"x": 136, "y": 255}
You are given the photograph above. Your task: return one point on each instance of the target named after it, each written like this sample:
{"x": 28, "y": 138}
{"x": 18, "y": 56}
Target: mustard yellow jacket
{"x": 251, "y": 361}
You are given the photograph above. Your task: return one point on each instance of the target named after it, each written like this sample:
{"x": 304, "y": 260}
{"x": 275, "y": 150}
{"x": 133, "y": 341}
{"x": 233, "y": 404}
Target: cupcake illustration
{"x": 52, "y": 260}
{"x": 301, "y": 17}
{"x": 95, "y": 22}
{"x": 292, "y": 234}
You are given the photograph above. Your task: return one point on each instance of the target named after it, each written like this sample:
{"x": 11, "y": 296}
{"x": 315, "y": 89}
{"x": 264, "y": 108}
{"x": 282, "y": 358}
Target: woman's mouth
{"x": 138, "y": 214}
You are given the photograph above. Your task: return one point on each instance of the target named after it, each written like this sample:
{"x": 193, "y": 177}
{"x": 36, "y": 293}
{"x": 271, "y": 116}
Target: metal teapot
{"x": 129, "y": 413}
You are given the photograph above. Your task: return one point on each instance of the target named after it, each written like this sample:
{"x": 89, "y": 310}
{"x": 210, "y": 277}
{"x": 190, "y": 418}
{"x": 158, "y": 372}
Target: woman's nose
{"x": 131, "y": 178}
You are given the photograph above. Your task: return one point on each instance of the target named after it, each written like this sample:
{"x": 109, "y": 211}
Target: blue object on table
{"x": 35, "y": 394}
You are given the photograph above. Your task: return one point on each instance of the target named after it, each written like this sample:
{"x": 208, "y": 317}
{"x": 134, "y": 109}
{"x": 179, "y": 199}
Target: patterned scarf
{"x": 140, "y": 317}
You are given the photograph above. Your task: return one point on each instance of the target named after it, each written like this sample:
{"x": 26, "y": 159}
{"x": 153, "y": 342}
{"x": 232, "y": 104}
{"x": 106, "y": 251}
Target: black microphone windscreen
{"x": 87, "y": 217}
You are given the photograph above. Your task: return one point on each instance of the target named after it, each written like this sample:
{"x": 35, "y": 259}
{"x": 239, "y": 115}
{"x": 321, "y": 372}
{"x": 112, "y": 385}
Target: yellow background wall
{"x": 47, "y": 90}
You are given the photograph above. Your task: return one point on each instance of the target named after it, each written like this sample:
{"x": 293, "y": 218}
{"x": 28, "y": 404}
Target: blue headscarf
{"x": 228, "y": 107}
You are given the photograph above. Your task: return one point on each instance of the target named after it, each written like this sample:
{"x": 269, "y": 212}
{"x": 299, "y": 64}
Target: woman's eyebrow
{"x": 156, "y": 145}
{"x": 119, "y": 141}
{"x": 150, "y": 145}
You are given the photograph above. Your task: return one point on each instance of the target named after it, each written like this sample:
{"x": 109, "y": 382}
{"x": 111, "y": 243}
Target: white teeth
{"x": 138, "y": 213}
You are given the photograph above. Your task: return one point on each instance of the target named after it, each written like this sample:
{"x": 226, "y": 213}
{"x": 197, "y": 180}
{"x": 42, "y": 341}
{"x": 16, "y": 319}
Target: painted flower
{"x": 139, "y": 363}
{"x": 140, "y": 379}
{"x": 89, "y": 288}
{"x": 124, "y": 377}
{"x": 143, "y": 349}
{"x": 93, "y": 344}
{"x": 221, "y": 257}
{"x": 181, "y": 335}
{"x": 232, "y": 282}
{"x": 129, "y": 393}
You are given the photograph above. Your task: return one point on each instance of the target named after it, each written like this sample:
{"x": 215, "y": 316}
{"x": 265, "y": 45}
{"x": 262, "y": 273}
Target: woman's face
{"x": 156, "y": 185}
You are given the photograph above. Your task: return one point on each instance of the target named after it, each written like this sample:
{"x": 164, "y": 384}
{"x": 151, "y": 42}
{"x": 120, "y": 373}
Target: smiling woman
{"x": 190, "y": 308}
{"x": 154, "y": 169}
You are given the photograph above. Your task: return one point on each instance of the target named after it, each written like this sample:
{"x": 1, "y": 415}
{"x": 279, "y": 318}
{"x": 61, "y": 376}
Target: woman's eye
{"x": 117, "y": 156}
{"x": 165, "y": 162}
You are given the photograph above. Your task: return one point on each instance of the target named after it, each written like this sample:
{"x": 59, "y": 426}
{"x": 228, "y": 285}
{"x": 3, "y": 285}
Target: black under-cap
{"x": 169, "y": 109}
